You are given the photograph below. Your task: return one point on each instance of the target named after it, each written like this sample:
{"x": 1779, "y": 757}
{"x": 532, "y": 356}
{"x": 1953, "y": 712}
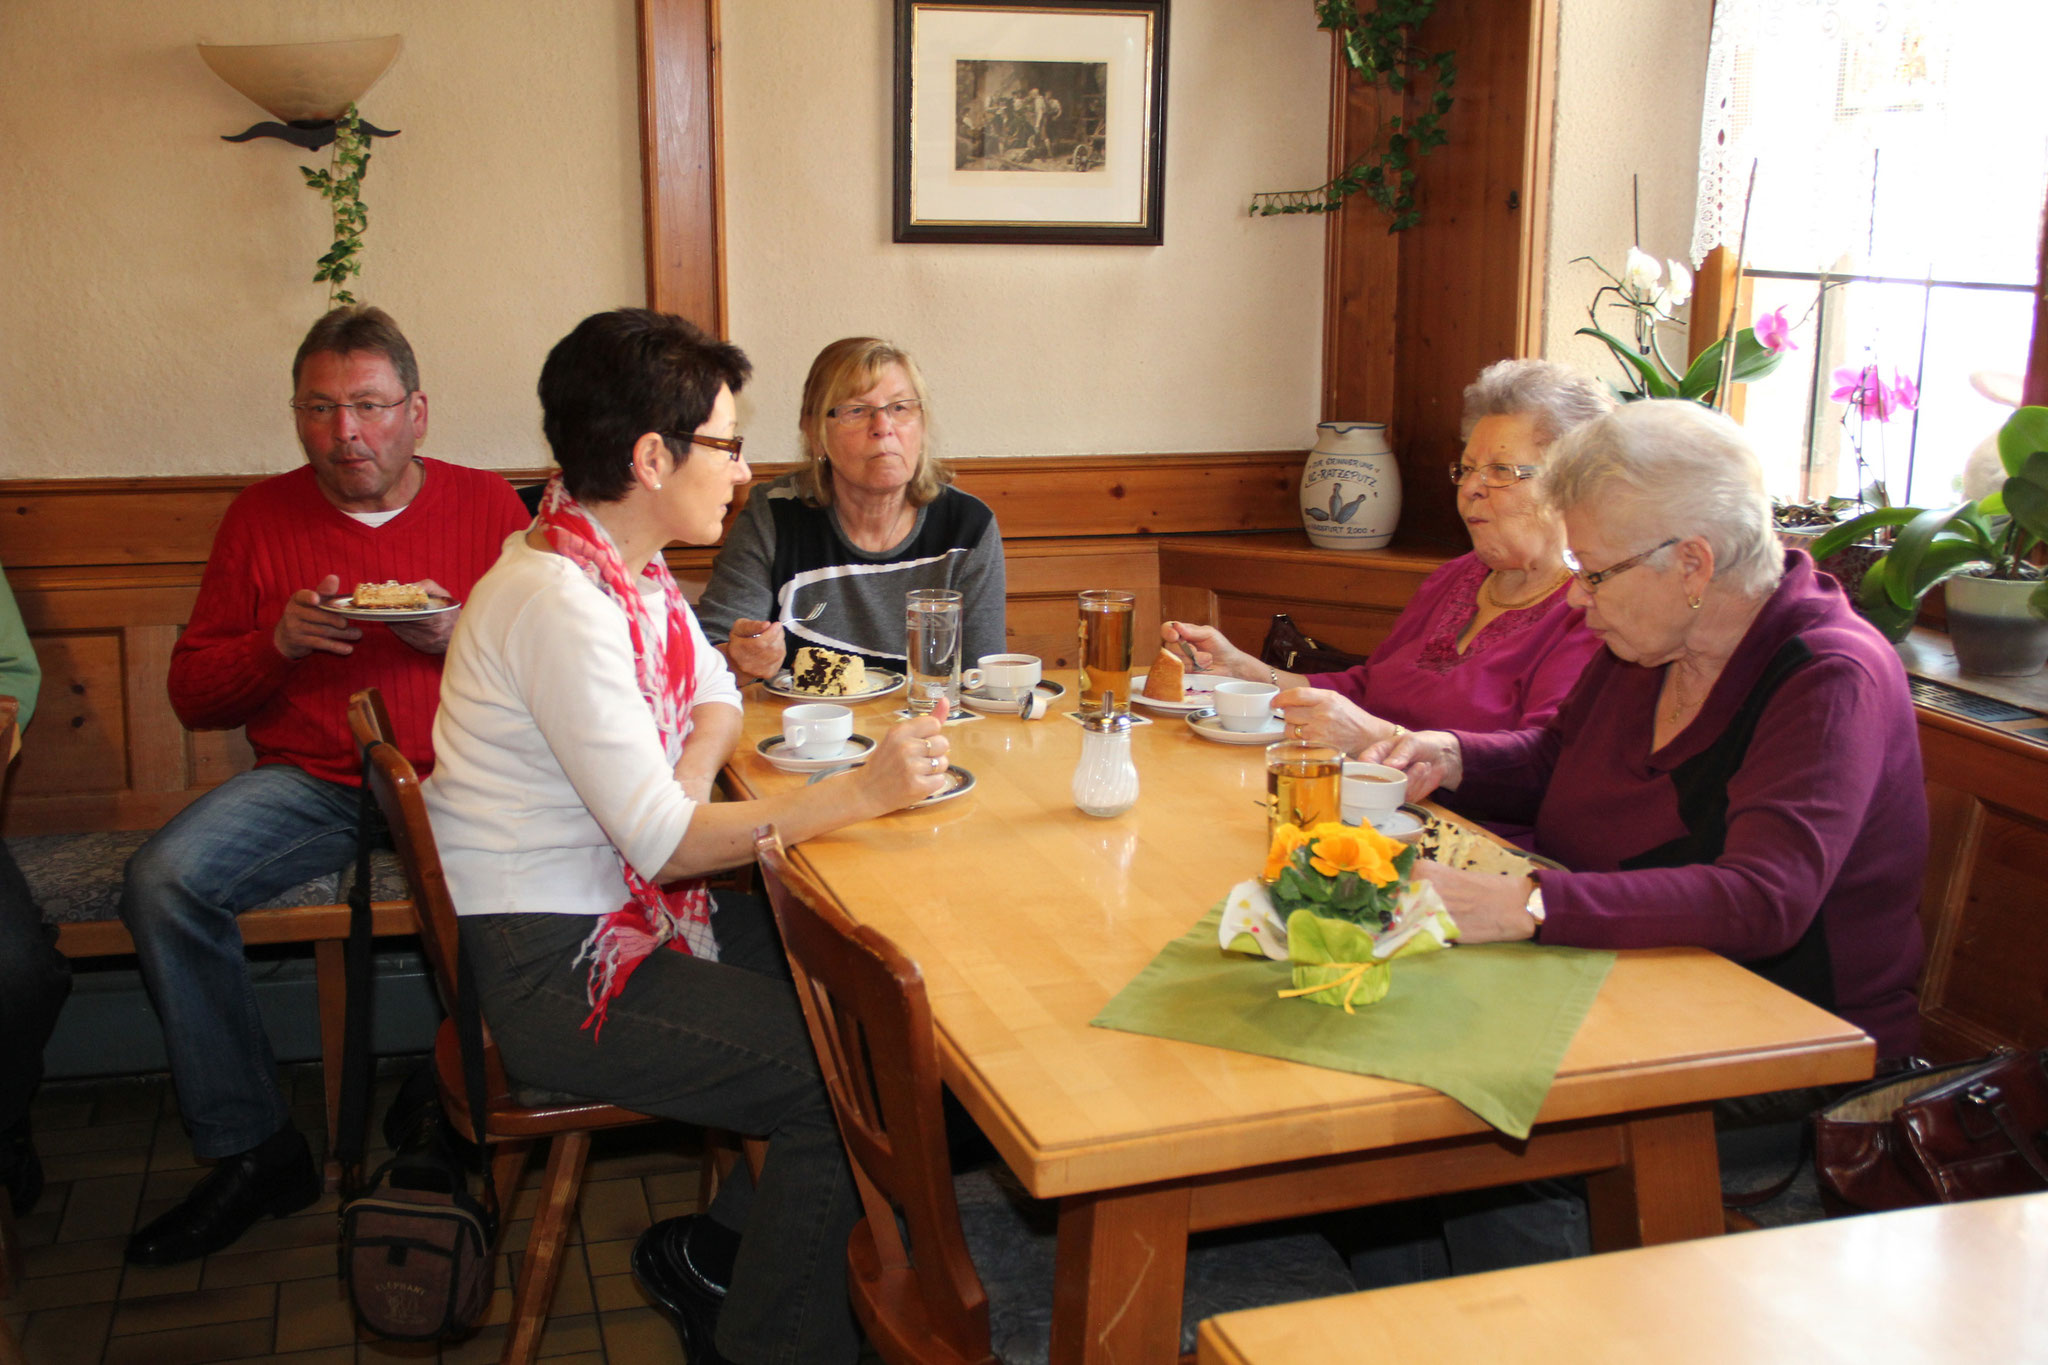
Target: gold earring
{"x": 1695, "y": 602}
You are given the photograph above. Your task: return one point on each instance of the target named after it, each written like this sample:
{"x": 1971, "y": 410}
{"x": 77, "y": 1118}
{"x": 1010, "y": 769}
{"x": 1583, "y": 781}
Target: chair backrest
{"x": 871, "y": 1026}
{"x": 396, "y": 788}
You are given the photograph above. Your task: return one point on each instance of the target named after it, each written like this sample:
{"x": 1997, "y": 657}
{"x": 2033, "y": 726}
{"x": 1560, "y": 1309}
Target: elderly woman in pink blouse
{"x": 1489, "y": 641}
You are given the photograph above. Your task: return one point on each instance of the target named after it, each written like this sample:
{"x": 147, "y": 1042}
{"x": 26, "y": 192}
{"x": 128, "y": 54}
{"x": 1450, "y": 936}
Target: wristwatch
{"x": 1534, "y": 905}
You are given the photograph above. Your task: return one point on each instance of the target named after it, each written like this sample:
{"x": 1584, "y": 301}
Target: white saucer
{"x": 854, "y": 751}
{"x": 959, "y": 782}
{"x": 1206, "y": 724}
{"x": 994, "y": 706}
{"x": 345, "y": 606}
{"x": 879, "y": 682}
{"x": 1399, "y": 825}
{"x": 1198, "y": 685}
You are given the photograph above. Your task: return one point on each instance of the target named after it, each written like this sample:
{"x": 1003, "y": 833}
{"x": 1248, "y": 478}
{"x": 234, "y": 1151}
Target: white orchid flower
{"x": 1641, "y": 273}
{"x": 1680, "y": 289}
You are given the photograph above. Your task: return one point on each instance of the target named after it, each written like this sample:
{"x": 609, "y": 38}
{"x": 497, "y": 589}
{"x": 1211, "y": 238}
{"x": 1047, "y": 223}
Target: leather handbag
{"x": 1974, "y": 1130}
{"x": 1288, "y": 646}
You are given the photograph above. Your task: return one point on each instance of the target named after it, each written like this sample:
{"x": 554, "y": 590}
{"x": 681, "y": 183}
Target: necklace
{"x": 1679, "y": 705}
{"x": 1493, "y": 598}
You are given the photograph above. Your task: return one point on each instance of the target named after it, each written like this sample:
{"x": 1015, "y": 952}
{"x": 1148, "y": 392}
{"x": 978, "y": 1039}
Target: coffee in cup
{"x": 1004, "y": 677}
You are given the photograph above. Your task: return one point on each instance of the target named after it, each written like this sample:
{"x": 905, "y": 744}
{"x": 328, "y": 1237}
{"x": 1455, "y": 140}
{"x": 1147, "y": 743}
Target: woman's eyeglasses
{"x": 1591, "y": 581}
{"x": 1493, "y": 475}
{"x": 902, "y": 412}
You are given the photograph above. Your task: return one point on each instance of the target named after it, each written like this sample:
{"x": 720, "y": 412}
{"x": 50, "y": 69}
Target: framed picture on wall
{"x": 1031, "y": 122}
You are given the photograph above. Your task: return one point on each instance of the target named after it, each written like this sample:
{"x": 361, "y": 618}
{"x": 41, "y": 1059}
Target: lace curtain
{"x": 1898, "y": 137}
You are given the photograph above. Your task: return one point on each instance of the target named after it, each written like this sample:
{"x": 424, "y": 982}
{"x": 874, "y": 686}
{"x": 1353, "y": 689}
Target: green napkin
{"x": 1486, "y": 1025}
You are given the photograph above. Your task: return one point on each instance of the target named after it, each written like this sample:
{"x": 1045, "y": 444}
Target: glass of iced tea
{"x": 1106, "y": 621}
{"x": 1303, "y": 784}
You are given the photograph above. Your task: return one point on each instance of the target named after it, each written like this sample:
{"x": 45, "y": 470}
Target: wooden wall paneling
{"x": 78, "y": 741}
{"x": 1044, "y": 576}
{"x": 74, "y": 522}
{"x": 1345, "y": 599}
{"x": 1361, "y": 275}
{"x": 1101, "y": 495}
{"x": 680, "y": 152}
{"x": 1538, "y": 108}
{"x": 1460, "y": 305}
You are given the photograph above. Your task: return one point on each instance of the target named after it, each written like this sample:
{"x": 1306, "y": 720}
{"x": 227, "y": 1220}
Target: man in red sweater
{"x": 262, "y": 653}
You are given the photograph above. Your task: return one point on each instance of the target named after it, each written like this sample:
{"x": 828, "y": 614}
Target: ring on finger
{"x": 937, "y": 762}
{"x": 1300, "y": 730}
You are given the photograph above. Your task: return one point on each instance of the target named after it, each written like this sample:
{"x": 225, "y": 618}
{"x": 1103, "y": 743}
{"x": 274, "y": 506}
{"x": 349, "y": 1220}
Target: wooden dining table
{"x": 1026, "y": 916}
{"x": 1916, "y": 1287}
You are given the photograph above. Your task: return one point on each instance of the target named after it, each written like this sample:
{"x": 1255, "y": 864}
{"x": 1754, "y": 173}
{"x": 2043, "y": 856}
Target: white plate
{"x": 959, "y": 783}
{"x": 880, "y": 682}
{"x": 1206, "y": 724}
{"x": 345, "y": 606}
{"x": 1198, "y": 685}
{"x": 854, "y": 751}
{"x": 974, "y": 701}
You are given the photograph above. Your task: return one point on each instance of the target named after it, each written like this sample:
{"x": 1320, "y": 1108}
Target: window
{"x": 1902, "y": 164}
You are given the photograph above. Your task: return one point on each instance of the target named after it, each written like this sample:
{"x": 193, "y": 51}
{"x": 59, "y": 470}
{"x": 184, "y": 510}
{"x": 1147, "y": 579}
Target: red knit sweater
{"x": 282, "y": 535}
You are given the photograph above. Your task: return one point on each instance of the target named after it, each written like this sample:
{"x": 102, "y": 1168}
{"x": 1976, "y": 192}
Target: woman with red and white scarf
{"x": 583, "y": 718}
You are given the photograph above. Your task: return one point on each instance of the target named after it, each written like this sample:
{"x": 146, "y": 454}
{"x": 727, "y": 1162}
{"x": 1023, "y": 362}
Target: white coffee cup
{"x": 1244, "y": 706}
{"x": 816, "y": 730}
{"x": 1371, "y": 791}
{"x": 1004, "y": 677}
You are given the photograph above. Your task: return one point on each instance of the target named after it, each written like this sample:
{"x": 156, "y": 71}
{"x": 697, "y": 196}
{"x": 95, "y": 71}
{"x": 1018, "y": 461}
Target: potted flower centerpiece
{"x": 1340, "y": 903}
{"x": 1998, "y": 601}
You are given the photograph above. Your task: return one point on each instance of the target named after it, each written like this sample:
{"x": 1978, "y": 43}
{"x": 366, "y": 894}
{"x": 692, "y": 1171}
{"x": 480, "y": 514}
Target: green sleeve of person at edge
{"x": 19, "y": 673}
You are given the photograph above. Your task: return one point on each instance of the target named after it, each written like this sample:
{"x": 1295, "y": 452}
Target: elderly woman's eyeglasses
{"x": 1591, "y": 581}
{"x": 902, "y": 412}
{"x": 1493, "y": 475}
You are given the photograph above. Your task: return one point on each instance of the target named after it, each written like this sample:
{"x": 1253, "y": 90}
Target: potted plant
{"x": 1647, "y": 306}
{"x": 1998, "y": 602}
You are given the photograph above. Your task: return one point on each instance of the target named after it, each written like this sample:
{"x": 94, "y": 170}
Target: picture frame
{"x": 1034, "y": 121}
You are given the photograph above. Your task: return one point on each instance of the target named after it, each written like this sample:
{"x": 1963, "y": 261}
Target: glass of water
{"x": 932, "y": 644}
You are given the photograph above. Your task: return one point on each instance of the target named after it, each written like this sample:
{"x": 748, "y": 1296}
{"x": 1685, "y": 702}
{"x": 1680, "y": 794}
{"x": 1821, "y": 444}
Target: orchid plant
{"x": 1867, "y": 398}
{"x": 1649, "y": 303}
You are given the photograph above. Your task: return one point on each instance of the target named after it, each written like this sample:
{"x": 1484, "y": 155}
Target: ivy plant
{"x": 341, "y": 185}
{"x": 1379, "y": 47}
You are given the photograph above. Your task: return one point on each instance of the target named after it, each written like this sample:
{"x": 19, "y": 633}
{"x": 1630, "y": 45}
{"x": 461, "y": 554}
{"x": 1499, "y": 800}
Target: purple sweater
{"x": 1515, "y": 673}
{"x": 1800, "y": 855}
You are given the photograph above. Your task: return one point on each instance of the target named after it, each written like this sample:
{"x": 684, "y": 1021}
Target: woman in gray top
{"x": 871, "y": 516}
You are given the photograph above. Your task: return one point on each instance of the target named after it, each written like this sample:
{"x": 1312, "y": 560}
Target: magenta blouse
{"x": 1513, "y": 676}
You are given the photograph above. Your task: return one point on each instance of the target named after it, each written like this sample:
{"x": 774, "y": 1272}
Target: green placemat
{"x": 1486, "y": 1025}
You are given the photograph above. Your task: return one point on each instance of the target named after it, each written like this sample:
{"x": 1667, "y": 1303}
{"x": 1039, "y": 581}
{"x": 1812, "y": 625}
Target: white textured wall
{"x": 155, "y": 280}
{"x": 1630, "y": 79}
{"x": 1212, "y": 341}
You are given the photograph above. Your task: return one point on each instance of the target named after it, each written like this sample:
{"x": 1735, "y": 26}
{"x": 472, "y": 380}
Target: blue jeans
{"x": 716, "y": 1043}
{"x": 249, "y": 839}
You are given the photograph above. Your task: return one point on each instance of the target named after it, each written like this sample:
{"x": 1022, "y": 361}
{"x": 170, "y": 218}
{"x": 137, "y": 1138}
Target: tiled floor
{"x": 116, "y": 1157}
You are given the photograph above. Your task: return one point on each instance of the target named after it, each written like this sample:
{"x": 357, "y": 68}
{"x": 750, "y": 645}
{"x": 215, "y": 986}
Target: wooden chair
{"x": 914, "y": 1268}
{"x": 516, "y": 1117}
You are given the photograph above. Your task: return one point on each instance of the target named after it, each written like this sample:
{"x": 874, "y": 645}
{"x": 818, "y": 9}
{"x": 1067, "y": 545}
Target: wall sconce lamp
{"x": 307, "y": 85}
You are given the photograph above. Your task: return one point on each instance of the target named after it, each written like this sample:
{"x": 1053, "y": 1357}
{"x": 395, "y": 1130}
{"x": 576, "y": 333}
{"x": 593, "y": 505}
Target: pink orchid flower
{"x": 1774, "y": 333}
{"x": 1864, "y": 389}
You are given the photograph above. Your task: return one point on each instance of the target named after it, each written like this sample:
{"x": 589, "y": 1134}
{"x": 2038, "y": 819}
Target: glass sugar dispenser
{"x": 1105, "y": 780}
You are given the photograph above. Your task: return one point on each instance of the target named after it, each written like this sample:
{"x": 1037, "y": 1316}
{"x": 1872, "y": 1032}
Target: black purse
{"x": 1288, "y": 646}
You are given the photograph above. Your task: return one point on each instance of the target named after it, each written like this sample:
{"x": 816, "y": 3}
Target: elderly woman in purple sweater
{"x": 1739, "y": 770}
{"x": 1489, "y": 641}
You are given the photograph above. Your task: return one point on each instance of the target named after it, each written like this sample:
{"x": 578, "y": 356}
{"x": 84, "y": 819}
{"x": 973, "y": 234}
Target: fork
{"x": 813, "y": 614}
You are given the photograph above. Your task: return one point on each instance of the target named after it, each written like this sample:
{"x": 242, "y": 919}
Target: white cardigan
{"x": 547, "y": 761}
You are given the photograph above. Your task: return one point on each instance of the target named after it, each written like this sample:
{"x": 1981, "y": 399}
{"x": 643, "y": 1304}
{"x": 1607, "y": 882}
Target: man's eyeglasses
{"x": 1591, "y": 581}
{"x": 365, "y": 412}
{"x": 902, "y": 412}
{"x": 729, "y": 444}
{"x": 1493, "y": 475}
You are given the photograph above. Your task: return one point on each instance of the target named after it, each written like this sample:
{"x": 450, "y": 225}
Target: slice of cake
{"x": 826, "y": 673}
{"x": 389, "y": 596}
{"x": 1166, "y": 680}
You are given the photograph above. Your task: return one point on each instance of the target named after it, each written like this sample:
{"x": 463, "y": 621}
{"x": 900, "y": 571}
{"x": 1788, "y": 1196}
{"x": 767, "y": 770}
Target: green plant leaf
{"x": 2026, "y": 492}
{"x": 2024, "y": 433}
{"x": 1850, "y": 532}
{"x": 1905, "y": 572}
{"x": 1653, "y": 383}
{"x": 1874, "y": 601}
